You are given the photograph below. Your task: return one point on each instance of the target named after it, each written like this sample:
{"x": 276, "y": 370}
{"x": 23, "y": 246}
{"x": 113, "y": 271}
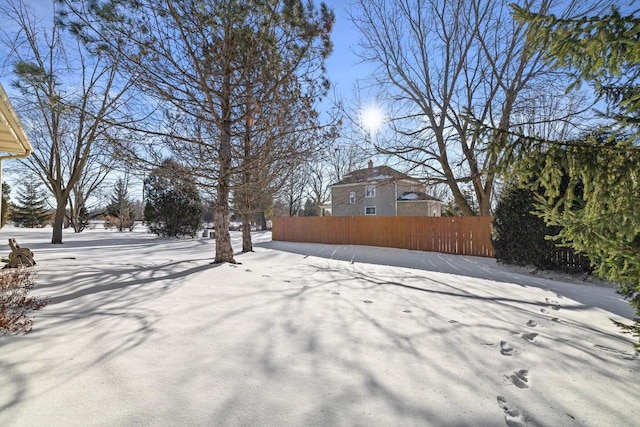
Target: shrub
{"x": 16, "y": 305}
{"x": 522, "y": 238}
{"x": 173, "y": 206}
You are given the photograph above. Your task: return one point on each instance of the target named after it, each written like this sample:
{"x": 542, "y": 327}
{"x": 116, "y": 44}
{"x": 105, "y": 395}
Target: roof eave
{"x": 13, "y": 138}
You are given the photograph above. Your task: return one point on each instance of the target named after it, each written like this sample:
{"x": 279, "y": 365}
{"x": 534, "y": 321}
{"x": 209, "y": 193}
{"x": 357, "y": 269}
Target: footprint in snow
{"x": 520, "y": 378}
{"x": 248, "y": 270}
{"x": 406, "y": 311}
{"x": 335, "y": 293}
{"x": 512, "y": 415}
{"x": 367, "y": 301}
{"x": 453, "y": 321}
{"x": 265, "y": 275}
{"x": 287, "y": 281}
{"x": 506, "y": 349}
{"x": 556, "y": 305}
{"x": 530, "y": 337}
{"x": 532, "y": 323}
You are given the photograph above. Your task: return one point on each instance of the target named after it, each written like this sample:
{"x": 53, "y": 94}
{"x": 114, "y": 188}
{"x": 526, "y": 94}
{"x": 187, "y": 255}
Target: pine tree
{"x": 173, "y": 206}
{"x": 604, "y": 221}
{"x": 6, "y": 190}
{"x": 31, "y": 208}
{"x": 518, "y": 235}
{"x": 310, "y": 208}
{"x": 120, "y": 211}
{"x": 253, "y": 64}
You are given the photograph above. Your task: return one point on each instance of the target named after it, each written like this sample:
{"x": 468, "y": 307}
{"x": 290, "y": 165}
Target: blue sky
{"x": 343, "y": 66}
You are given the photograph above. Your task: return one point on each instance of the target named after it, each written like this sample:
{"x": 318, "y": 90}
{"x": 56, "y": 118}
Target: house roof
{"x": 373, "y": 174}
{"x": 13, "y": 138}
{"x": 410, "y": 196}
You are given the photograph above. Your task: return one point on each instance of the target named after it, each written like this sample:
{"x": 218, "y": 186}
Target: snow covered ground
{"x": 145, "y": 331}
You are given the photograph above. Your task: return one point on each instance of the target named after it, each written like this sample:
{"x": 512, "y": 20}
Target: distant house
{"x": 382, "y": 191}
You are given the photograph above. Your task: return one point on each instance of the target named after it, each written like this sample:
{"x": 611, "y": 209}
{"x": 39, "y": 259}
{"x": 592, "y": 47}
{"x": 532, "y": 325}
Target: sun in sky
{"x": 372, "y": 118}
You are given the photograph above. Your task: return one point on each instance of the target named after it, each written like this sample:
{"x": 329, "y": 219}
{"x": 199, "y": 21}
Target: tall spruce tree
{"x": 173, "y": 206}
{"x": 604, "y": 222}
{"x": 30, "y": 209}
{"x": 120, "y": 211}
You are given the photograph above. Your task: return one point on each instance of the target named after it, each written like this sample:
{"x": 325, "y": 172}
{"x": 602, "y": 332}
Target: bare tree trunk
{"x": 224, "y": 250}
{"x": 263, "y": 221}
{"x": 58, "y": 220}
{"x": 247, "y": 244}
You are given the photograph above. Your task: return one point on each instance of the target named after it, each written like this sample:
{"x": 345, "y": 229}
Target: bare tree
{"x": 87, "y": 193}
{"x": 441, "y": 65}
{"x": 65, "y": 97}
{"x": 292, "y": 192}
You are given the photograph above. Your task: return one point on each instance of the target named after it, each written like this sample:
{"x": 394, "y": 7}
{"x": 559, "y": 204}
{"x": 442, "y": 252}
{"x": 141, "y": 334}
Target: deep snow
{"x": 145, "y": 331}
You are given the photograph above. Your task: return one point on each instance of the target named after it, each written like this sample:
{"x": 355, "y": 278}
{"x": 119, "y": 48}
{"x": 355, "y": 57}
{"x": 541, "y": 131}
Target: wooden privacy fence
{"x": 452, "y": 235}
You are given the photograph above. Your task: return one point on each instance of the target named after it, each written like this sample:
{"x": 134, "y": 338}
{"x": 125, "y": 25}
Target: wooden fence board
{"x": 453, "y": 235}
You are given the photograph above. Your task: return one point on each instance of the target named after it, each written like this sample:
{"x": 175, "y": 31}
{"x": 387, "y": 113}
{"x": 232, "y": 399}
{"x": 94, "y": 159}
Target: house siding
{"x": 384, "y": 200}
{"x": 419, "y": 208}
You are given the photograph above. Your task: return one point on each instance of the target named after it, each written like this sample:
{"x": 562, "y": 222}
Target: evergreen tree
{"x": 6, "y": 190}
{"x": 521, "y": 237}
{"x": 518, "y": 235}
{"x": 173, "y": 206}
{"x": 604, "y": 221}
{"x": 120, "y": 211}
{"x": 310, "y": 208}
{"x": 31, "y": 208}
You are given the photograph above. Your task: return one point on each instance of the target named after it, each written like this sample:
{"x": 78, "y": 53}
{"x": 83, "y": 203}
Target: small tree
{"x": 31, "y": 208}
{"x": 173, "y": 206}
{"x": 5, "y": 204}
{"x": 310, "y": 208}
{"x": 79, "y": 218}
{"x": 120, "y": 212}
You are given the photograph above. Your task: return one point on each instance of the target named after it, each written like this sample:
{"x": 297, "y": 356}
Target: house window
{"x": 370, "y": 192}
{"x": 370, "y": 210}
{"x": 352, "y": 197}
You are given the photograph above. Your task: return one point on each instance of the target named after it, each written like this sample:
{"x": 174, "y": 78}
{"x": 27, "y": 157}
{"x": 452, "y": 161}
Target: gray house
{"x": 382, "y": 191}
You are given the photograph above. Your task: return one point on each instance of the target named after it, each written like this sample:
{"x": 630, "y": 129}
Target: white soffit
{"x": 13, "y": 139}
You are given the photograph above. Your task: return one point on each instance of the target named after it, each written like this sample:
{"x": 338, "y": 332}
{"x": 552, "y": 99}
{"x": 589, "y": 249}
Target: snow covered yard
{"x": 145, "y": 331}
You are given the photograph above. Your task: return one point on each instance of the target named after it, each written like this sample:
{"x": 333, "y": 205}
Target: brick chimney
{"x": 370, "y": 164}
